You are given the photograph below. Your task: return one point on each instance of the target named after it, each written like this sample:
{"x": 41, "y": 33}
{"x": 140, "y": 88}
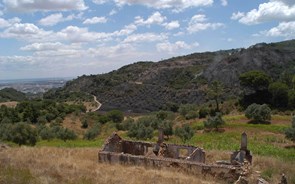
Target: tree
{"x": 116, "y": 116}
{"x": 214, "y": 121}
{"x": 257, "y": 80}
{"x": 167, "y": 127}
{"x": 184, "y": 109}
{"x": 24, "y": 134}
{"x": 215, "y": 92}
{"x": 66, "y": 134}
{"x": 46, "y": 133}
{"x": 291, "y": 98}
{"x": 185, "y": 132}
{"x": 139, "y": 131}
{"x": 255, "y": 85}
{"x": 84, "y": 123}
{"x": 92, "y": 133}
{"x": 279, "y": 92}
{"x": 290, "y": 132}
{"x": 258, "y": 113}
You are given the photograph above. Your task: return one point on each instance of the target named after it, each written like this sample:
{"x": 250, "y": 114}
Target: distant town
{"x": 34, "y": 86}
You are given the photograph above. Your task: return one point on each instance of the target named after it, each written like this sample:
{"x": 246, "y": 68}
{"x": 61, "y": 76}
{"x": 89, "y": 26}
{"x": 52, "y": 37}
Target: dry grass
{"x": 74, "y": 165}
{"x": 9, "y": 104}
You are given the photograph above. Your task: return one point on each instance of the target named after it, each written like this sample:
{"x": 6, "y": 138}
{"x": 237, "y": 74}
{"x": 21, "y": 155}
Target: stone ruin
{"x": 182, "y": 158}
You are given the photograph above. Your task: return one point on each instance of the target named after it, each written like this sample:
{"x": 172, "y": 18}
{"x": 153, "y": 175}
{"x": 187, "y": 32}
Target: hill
{"x": 150, "y": 86}
{"x": 10, "y": 94}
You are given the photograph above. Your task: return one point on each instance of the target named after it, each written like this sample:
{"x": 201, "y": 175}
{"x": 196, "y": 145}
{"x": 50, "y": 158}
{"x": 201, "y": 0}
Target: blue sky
{"x": 69, "y": 38}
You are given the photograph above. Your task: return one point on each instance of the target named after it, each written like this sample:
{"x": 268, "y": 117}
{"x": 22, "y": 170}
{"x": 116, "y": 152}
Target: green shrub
{"x": 116, "y": 116}
{"x": 23, "y": 134}
{"x": 84, "y": 123}
{"x": 258, "y": 113}
{"x": 214, "y": 122}
{"x": 203, "y": 112}
{"x": 290, "y": 132}
{"x": 185, "y": 132}
{"x": 92, "y": 133}
{"x": 191, "y": 115}
{"x": 184, "y": 109}
{"x": 126, "y": 124}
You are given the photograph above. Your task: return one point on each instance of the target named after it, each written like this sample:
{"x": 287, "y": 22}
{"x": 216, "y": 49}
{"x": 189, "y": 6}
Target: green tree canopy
{"x": 116, "y": 116}
{"x": 258, "y": 113}
{"x": 279, "y": 92}
{"x": 214, "y": 121}
{"x": 215, "y": 92}
{"x": 257, "y": 80}
{"x": 23, "y": 134}
{"x": 185, "y": 132}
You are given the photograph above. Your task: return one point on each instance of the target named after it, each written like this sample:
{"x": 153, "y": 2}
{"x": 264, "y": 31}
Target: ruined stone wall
{"x": 228, "y": 173}
{"x": 136, "y": 148}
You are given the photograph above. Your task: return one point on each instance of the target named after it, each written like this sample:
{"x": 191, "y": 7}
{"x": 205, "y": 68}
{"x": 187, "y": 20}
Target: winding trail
{"x": 98, "y": 104}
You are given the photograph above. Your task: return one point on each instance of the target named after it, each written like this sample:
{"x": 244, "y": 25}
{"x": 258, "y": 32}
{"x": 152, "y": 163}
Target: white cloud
{"x": 224, "y": 2}
{"x": 54, "y": 19}
{"x": 113, "y": 12}
{"x": 172, "y": 25}
{"x": 284, "y": 29}
{"x": 48, "y": 46}
{"x": 238, "y": 15}
{"x": 173, "y": 47}
{"x": 76, "y": 35}
{"x": 6, "y": 23}
{"x": 155, "y": 18}
{"x": 28, "y": 32}
{"x": 145, "y": 37}
{"x": 167, "y": 4}
{"x": 43, "y": 5}
{"x": 95, "y": 20}
{"x": 126, "y": 30}
{"x": 99, "y": 1}
{"x": 198, "y": 23}
{"x": 280, "y": 10}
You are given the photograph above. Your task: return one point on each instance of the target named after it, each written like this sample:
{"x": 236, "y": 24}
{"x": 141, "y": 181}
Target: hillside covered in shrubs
{"x": 151, "y": 86}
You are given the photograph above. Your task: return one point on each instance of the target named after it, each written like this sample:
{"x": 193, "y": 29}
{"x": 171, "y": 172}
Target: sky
{"x": 70, "y": 38}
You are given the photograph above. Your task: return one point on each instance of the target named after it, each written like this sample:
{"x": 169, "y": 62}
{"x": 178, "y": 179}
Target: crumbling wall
{"x": 228, "y": 173}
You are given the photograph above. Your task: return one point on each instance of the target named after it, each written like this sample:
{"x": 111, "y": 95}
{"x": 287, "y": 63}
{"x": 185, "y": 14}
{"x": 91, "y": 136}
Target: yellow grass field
{"x": 78, "y": 165}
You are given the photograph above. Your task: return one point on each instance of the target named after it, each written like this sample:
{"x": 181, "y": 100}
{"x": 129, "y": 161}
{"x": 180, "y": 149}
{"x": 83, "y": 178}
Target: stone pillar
{"x": 244, "y": 141}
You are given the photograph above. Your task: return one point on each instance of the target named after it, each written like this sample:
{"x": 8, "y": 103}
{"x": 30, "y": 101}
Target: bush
{"x": 167, "y": 127}
{"x": 139, "y": 131}
{"x": 290, "y": 132}
{"x": 161, "y": 115}
{"x": 184, "y": 109}
{"x": 66, "y": 134}
{"x": 92, "y": 133}
{"x": 103, "y": 119}
{"x": 23, "y": 134}
{"x": 214, "y": 122}
{"x": 258, "y": 113}
{"x": 191, "y": 115}
{"x": 116, "y": 116}
{"x": 84, "y": 123}
{"x": 185, "y": 132}
{"x": 126, "y": 124}
{"x": 46, "y": 133}
{"x": 203, "y": 112}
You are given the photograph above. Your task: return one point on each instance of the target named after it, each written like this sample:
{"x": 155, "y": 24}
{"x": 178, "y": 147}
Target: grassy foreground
{"x": 76, "y": 166}
{"x": 74, "y": 162}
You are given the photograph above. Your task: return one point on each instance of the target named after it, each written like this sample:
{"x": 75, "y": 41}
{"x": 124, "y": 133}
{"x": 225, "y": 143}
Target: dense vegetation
{"x": 10, "y": 94}
{"x": 16, "y": 124}
{"x": 193, "y": 79}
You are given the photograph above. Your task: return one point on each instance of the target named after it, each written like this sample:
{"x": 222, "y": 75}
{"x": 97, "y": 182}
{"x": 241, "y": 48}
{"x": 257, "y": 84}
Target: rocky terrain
{"x": 150, "y": 86}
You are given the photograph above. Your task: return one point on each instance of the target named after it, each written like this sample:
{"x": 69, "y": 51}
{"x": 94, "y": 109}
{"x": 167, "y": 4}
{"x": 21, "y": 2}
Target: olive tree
{"x": 258, "y": 113}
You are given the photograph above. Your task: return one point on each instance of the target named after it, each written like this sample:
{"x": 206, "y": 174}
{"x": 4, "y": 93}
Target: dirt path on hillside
{"x": 98, "y": 104}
